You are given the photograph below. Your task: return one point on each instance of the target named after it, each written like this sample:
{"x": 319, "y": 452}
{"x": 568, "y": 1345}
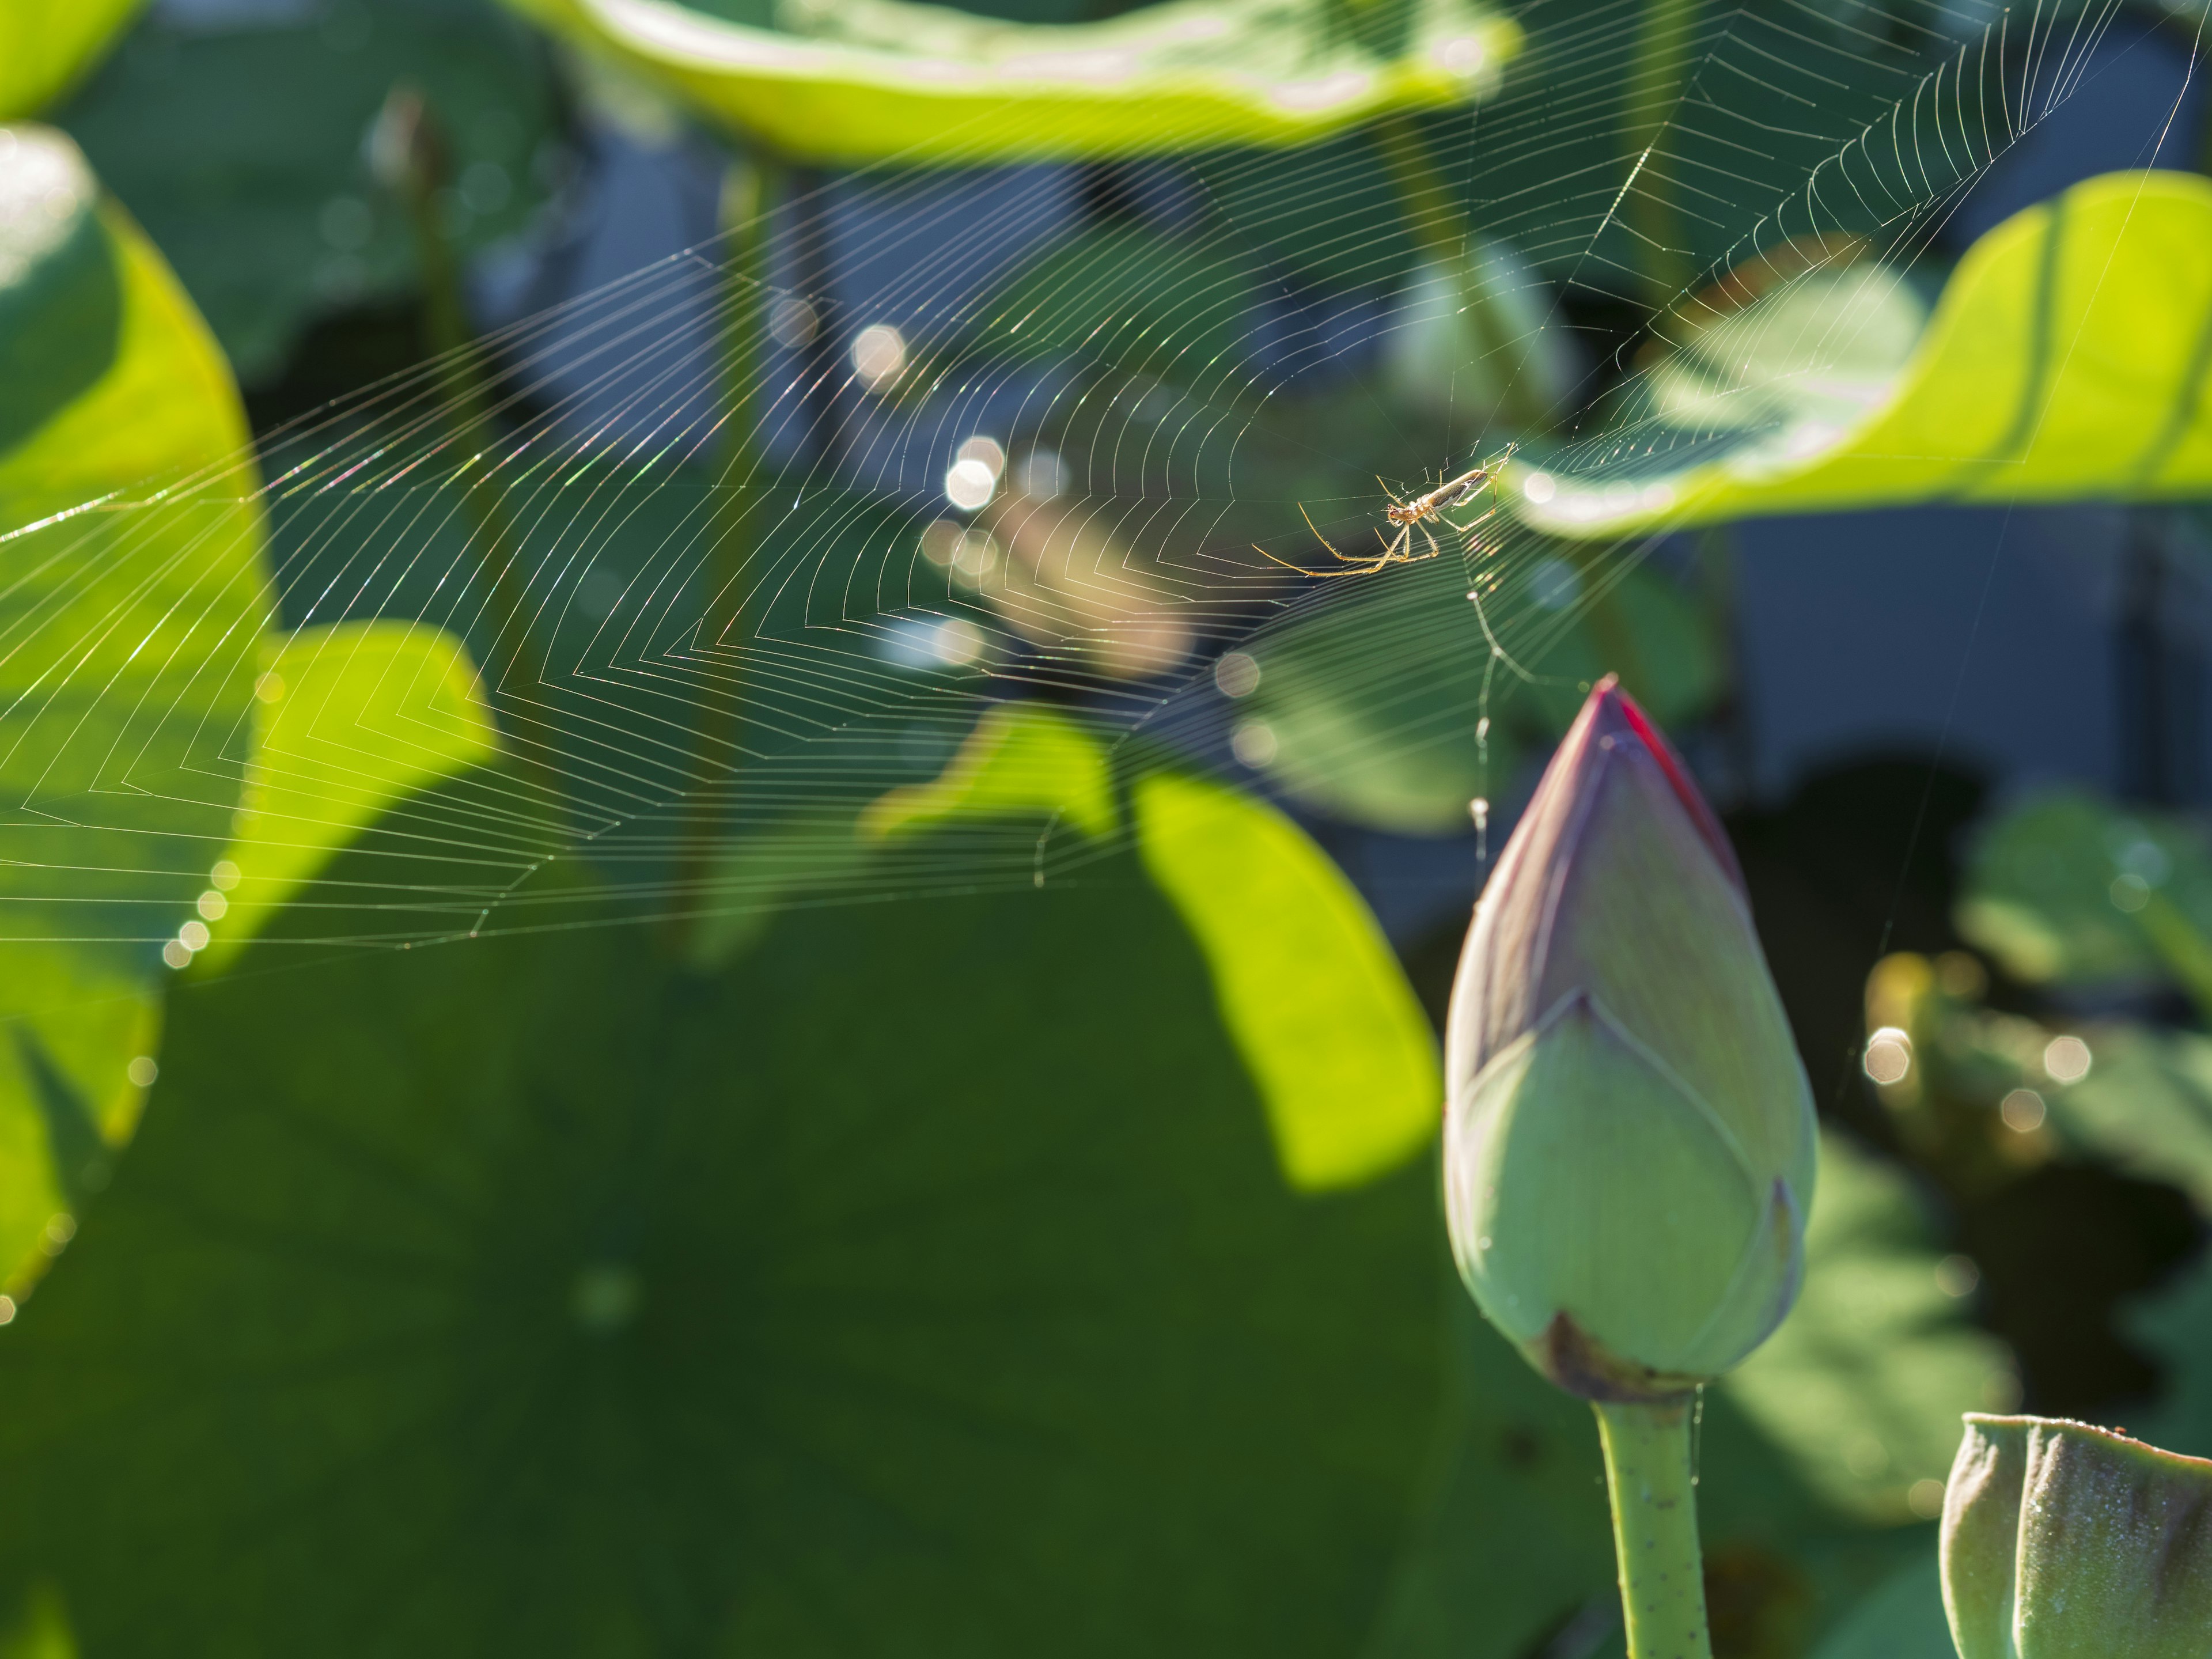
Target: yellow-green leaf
{"x": 1309, "y": 989}
{"x": 1022, "y": 758}
{"x": 351, "y": 718}
{"x": 46, "y": 46}
{"x": 133, "y": 598}
{"x": 858, "y": 81}
{"x": 2065, "y": 360}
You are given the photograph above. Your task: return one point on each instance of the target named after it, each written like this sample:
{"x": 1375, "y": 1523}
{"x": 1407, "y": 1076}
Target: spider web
{"x": 754, "y": 536}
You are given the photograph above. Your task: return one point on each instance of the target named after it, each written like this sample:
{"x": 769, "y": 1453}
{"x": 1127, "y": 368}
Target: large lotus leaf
{"x": 46, "y": 45}
{"x": 2065, "y": 360}
{"x": 241, "y": 149}
{"x": 2075, "y": 890}
{"x": 858, "y": 80}
{"x": 1333, "y": 1035}
{"x": 1863, "y": 1382}
{"x": 1367, "y": 705}
{"x": 924, "y": 1282}
{"x": 1304, "y": 982}
{"x": 131, "y": 614}
{"x": 351, "y": 719}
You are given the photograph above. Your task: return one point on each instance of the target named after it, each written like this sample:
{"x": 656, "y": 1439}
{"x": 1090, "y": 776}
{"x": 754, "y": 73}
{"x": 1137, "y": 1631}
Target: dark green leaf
{"x": 924, "y": 1283}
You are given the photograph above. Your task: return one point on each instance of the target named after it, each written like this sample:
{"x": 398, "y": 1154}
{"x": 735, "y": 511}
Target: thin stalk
{"x": 1655, "y": 86}
{"x": 749, "y": 198}
{"x": 1654, "y": 1526}
{"x": 1433, "y": 218}
{"x": 412, "y": 158}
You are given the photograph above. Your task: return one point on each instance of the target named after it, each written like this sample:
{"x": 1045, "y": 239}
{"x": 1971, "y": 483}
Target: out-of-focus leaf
{"x": 926, "y": 1281}
{"x": 2073, "y": 890}
{"x": 1514, "y": 1554}
{"x": 1307, "y": 985}
{"x": 1303, "y": 983}
{"x": 131, "y": 613}
{"x": 1131, "y": 297}
{"x": 1369, "y": 703}
{"x": 1864, "y": 1383}
{"x": 1901, "y": 1619}
{"x": 2064, "y": 360}
{"x": 857, "y": 80}
{"x": 2175, "y": 1325}
{"x": 1823, "y": 346}
{"x": 351, "y": 719}
{"x": 242, "y": 150}
{"x": 1023, "y": 758}
{"x": 2144, "y": 1106}
{"x": 46, "y": 45}
{"x": 1477, "y": 338}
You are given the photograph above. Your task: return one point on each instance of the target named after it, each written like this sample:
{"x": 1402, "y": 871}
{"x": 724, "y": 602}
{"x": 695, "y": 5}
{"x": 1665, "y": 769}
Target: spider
{"x": 1407, "y": 517}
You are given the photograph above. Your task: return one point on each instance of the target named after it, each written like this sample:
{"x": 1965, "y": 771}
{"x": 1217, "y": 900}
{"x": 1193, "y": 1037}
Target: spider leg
{"x": 1469, "y": 529}
{"x": 1287, "y": 565}
{"x": 1318, "y": 537}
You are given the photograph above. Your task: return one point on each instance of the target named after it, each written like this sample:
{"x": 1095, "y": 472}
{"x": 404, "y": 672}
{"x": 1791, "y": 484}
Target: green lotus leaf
{"x": 1304, "y": 982}
{"x": 240, "y": 150}
{"x": 350, "y": 719}
{"x": 2174, "y": 1326}
{"x": 858, "y": 80}
{"x": 130, "y": 611}
{"x": 1900, "y": 1619}
{"x": 1367, "y": 705}
{"x": 45, "y": 47}
{"x": 2065, "y": 360}
{"x": 1864, "y": 1383}
{"x": 2073, "y": 890}
{"x": 924, "y": 1281}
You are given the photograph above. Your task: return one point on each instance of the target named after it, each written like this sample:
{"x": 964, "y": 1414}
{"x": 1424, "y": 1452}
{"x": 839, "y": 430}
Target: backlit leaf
{"x": 2064, "y": 360}
{"x": 855, "y": 81}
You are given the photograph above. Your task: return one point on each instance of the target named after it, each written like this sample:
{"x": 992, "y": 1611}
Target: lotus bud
{"x": 1629, "y": 1139}
{"x": 2065, "y": 1541}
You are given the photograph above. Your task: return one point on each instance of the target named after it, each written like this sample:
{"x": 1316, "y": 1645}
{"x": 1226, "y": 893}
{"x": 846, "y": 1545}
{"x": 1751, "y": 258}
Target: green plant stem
{"x": 417, "y": 168}
{"x": 1654, "y": 1526}
{"x": 1435, "y": 219}
{"x": 749, "y": 198}
{"x": 1655, "y": 86}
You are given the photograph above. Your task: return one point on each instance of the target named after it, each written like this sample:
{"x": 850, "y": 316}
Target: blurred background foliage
{"x": 1073, "y": 1252}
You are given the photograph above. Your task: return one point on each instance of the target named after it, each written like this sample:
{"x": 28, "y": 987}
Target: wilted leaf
{"x": 1864, "y": 1384}
{"x": 2063, "y": 362}
{"x": 856, "y": 80}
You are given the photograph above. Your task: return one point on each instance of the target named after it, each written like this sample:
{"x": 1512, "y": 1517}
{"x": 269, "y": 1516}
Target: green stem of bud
{"x": 1655, "y": 1527}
